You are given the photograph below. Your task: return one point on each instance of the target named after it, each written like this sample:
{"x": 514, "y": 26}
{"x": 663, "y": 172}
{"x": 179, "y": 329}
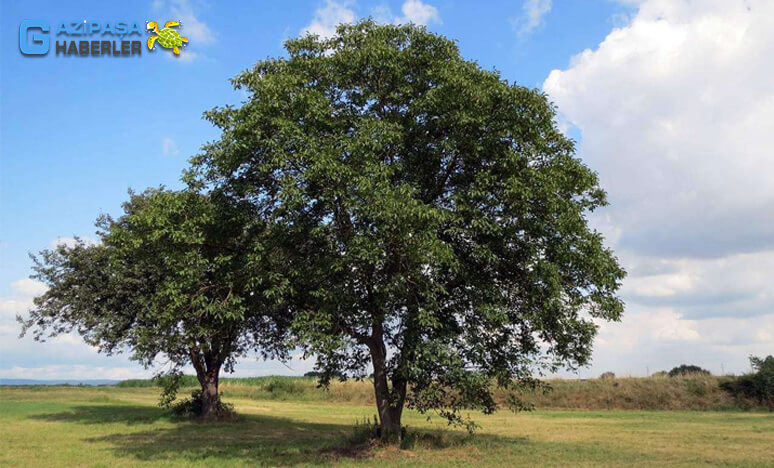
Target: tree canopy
{"x": 181, "y": 278}
{"x": 432, "y": 217}
{"x": 687, "y": 369}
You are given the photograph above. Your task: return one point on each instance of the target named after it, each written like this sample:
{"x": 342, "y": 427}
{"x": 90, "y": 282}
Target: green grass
{"x": 110, "y": 426}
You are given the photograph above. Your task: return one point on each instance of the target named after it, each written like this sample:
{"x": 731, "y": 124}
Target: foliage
{"x": 318, "y": 375}
{"x": 687, "y": 369}
{"x": 159, "y": 381}
{"x": 365, "y": 431}
{"x": 607, "y": 375}
{"x": 194, "y": 408}
{"x": 433, "y": 217}
{"x": 180, "y": 278}
{"x": 170, "y": 383}
{"x": 758, "y": 385}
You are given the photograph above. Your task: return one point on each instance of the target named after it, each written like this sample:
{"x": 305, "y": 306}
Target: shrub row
{"x": 687, "y": 392}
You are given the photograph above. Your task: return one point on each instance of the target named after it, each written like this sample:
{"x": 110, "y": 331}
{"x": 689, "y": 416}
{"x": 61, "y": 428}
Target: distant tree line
{"x": 757, "y": 385}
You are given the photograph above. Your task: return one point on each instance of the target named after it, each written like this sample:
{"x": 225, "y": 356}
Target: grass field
{"x": 109, "y": 426}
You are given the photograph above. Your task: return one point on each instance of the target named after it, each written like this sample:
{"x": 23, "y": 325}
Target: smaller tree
{"x": 180, "y": 275}
{"x": 758, "y": 385}
{"x": 687, "y": 369}
{"x": 607, "y": 376}
{"x": 763, "y": 378}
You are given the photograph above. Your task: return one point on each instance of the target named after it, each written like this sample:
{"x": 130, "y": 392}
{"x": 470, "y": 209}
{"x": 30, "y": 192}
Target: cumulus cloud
{"x": 334, "y": 12}
{"x": 532, "y": 16}
{"x": 675, "y": 109}
{"x": 18, "y": 303}
{"x": 10, "y": 307}
{"x": 732, "y": 286}
{"x": 183, "y": 11}
{"x": 28, "y": 287}
{"x": 326, "y": 18}
{"x": 650, "y": 339}
{"x": 414, "y": 11}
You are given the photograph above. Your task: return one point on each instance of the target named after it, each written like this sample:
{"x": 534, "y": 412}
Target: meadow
{"x": 291, "y": 422}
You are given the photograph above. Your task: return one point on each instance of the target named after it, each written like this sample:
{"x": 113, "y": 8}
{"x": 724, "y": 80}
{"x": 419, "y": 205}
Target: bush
{"x": 607, "y": 375}
{"x": 697, "y": 387}
{"x": 159, "y": 381}
{"x": 192, "y": 407}
{"x": 366, "y": 431}
{"x": 282, "y": 387}
{"x": 686, "y": 369}
{"x": 334, "y": 375}
{"x": 758, "y": 385}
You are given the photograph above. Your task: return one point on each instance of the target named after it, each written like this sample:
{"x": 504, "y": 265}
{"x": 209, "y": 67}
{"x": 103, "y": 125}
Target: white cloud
{"x": 335, "y": 12}
{"x": 658, "y": 338}
{"x": 74, "y": 372}
{"x": 532, "y": 16}
{"x": 675, "y": 109}
{"x": 190, "y": 25}
{"x": 328, "y": 17}
{"x": 28, "y": 287}
{"x": 414, "y": 11}
{"x": 675, "y": 112}
{"x": 18, "y": 303}
{"x": 736, "y": 285}
{"x": 11, "y": 307}
{"x": 169, "y": 147}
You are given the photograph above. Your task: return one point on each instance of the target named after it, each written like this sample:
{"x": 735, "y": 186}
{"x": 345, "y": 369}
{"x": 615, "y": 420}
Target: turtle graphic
{"x": 168, "y": 38}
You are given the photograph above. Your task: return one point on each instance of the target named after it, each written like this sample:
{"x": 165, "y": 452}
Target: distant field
{"x": 114, "y": 426}
{"x": 695, "y": 392}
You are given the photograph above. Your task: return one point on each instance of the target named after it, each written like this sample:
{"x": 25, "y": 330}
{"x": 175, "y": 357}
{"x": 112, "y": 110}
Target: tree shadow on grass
{"x": 257, "y": 439}
{"x": 106, "y": 414}
{"x": 252, "y": 439}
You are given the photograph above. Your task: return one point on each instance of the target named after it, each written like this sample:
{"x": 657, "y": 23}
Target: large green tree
{"x": 181, "y": 278}
{"x": 434, "y": 217}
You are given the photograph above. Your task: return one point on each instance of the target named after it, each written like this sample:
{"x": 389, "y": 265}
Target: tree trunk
{"x": 207, "y": 371}
{"x": 210, "y": 395}
{"x": 389, "y": 404}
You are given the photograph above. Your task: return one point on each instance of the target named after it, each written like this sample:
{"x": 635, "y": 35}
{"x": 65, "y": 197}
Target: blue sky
{"x": 628, "y": 77}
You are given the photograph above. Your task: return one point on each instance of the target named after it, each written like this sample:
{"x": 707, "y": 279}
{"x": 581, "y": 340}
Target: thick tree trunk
{"x": 207, "y": 372}
{"x": 210, "y": 395}
{"x": 389, "y": 404}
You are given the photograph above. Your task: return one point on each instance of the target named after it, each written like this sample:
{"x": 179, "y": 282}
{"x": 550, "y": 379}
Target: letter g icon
{"x": 40, "y": 40}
